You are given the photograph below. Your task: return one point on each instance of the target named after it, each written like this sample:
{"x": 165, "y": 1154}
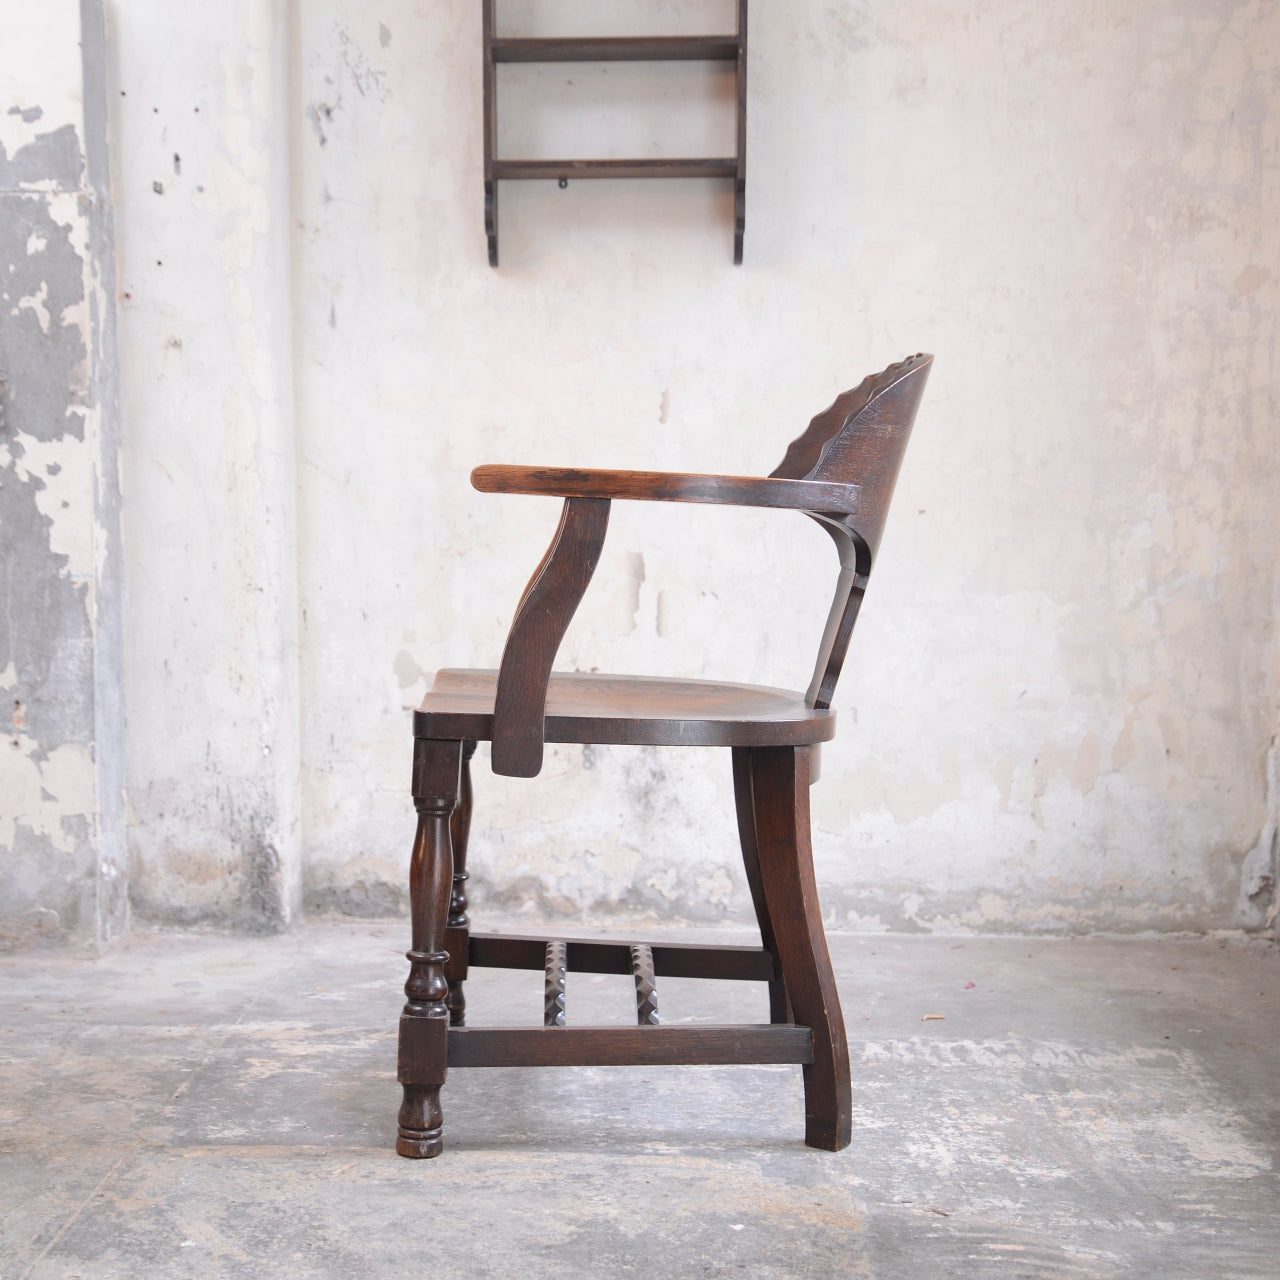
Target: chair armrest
{"x": 670, "y": 486}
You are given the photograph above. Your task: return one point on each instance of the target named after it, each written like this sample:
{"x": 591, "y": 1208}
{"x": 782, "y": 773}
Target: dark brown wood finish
{"x": 851, "y": 586}
{"x": 692, "y": 167}
{"x": 542, "y": 617}
{"x": 489, "y": 24}
{"x": 740, "y": 176}
{"x": 841, "y": 471}
{"x": 615, "y": 49}
{"x": 861, "y": 438}
{"x": 634, "y": 711}
{"x": 856, "y": 444}
{"x": 670, "y": 486}
{"x": 514, "y": 951}
{"x": 780, "y": 794}
{"x": 424, "y": 1022}
{"x": 500, "y": 50}
{"x": 458, "y": 925}
{"x": 744, "y": 801}
{"x": 685, "y": 1046}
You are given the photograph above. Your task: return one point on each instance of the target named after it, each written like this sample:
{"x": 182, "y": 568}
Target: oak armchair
{"x": 840, "y": 472}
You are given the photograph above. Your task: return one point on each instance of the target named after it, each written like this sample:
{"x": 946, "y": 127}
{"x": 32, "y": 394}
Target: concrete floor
{"x": 204, "y": 1106}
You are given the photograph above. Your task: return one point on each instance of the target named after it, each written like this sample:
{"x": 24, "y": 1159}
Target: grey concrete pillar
{"x": 202, "y": 178}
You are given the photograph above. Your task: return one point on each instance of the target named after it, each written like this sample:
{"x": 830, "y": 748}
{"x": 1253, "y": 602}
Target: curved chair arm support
{"x": 542, "y": 617}
{"x": 855, "y": 566}
{"x": 672, "y": 486}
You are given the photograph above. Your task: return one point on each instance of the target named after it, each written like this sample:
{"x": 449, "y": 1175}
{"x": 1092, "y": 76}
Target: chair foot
{"x": 421, "y": 1132}
{"x": 827, "y": 1129}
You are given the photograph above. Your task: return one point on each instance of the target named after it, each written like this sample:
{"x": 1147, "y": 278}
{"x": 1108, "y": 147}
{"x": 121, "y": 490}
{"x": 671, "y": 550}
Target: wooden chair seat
{"x": 840, "y": 472}
{"x": 631, "y": 710}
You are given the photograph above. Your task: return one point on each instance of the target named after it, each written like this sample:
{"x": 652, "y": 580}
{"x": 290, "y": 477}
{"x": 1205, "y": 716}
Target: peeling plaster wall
{"x": 62, "y": 856}
{"x": 1058, "y": 709}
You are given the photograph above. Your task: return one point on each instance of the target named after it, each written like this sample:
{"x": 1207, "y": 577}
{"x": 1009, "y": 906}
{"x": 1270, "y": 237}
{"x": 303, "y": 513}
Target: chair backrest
{"x": 859, "y": 440}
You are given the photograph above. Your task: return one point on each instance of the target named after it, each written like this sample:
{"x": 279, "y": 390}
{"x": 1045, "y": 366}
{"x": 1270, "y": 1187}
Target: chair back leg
{"x": 779, "y": 1005}
{"x": 780, "y": 800}
{"x": 457, "y": 934}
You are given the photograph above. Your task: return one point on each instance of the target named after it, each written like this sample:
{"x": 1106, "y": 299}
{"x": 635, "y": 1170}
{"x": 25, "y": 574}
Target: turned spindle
{"x": 424, "y": 1021}
{"x": 646, "y": 984}
{"x": 553, "y": 986}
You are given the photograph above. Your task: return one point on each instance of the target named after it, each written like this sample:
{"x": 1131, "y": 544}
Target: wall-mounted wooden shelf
{"x": 502, "y": 49}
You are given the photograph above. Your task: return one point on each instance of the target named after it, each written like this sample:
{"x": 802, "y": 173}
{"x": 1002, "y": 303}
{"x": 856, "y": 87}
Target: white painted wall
{"x": 202, "y": 163}
{"x": 1058, "y": 707}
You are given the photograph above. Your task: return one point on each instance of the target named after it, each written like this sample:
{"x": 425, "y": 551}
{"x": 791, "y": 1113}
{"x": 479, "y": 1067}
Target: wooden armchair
{"x": 841, "y": 472}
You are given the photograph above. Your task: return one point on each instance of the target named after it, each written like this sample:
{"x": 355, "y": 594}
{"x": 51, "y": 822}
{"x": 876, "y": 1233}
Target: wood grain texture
{"x": 630, "y": 711}
{"x": 744, "y": 804}
{"x": 542, "y": 617}
{"x": 627, "y": 1046}
{"x": 861, "y": 439}
{"x": 805, "y": 453}
{"x": 425, "y": 1019}
{"x": 670, "y": 486}
{"x": 780, "y": 792}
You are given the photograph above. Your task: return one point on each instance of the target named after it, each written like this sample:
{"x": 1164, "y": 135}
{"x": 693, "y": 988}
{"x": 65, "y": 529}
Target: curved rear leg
{"x": 779, "y": 1006}
{"x": 780, "y": 788}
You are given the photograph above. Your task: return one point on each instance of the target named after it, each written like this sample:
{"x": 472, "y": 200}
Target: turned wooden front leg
{"x": 457, "y": 937}
{"x": 424, "y": 1023}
